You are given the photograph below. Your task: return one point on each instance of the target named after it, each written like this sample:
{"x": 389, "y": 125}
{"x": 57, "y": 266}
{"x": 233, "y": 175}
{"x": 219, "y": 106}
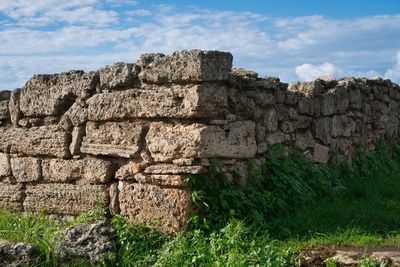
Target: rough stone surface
{"x": 174, "y": 169}
{"x": 167, "y": 141}
{"x": 77, "y": 137}
{"x": 13, "y": 105}
{"x": 321, "y": 153}
{"x": 185, "y": 66}
{"x": 174, "y": 101}
{"x": 65, "y": 199}
{"x": 91, "y": 243}
{"x": 26, "y": 169}
{"x": 112, "y": 138}
{"x": 4, "y": 112}
{"x": 161, "y": 179}
{"x": 5, "y": 168}
{"x": 11, "y": 195}
{"x": 91, "y": 170}
{"x": 18, "y": 254}
{"x": 118, "y": 76}
{"x": 235, "y": 140}
{"x": 144, "y": 203}
{"x": 46, "y": 95}
{"x": 35, "y": 141}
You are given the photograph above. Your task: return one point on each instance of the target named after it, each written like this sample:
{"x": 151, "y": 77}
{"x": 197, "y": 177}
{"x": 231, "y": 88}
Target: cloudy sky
{"x": 292, "y": 39}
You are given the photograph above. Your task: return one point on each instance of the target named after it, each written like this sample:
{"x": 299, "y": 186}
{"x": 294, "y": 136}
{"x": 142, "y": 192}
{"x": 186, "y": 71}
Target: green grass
{"x": 287, "y": 204}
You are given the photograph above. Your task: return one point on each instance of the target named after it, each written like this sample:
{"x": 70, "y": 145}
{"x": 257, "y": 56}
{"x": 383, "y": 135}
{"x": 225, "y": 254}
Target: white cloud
{"x": 85, "y": 33}
{"x": 394, "y": 72}
{"x": 306, "y": 72}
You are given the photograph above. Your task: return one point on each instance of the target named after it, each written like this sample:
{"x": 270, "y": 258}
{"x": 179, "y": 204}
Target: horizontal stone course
{"x": 11, "y": 195}
{"x": 64, "y": 199}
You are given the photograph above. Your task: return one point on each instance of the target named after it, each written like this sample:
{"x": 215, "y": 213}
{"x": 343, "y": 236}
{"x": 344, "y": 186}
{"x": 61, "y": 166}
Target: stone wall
{"x": 128, "y": 133}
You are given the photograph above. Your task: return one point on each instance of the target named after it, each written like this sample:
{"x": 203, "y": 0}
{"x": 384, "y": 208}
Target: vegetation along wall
{"x": 127, "y": 134}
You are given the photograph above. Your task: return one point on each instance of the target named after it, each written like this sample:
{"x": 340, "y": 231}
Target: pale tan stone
{"x": 174, "y": 169}
{"x": 5, "y": 167}
{"x": 11, "y": 195}
{"x": 173, "y": 101}
{"x": 161, "y": 179}
{"x": 4, "y": 112}
{"x": 145, "y": 203}
{"x": 184, "y": 161}
{"x": 35, "y": 141}
{"x": 64, "y": 199}
{"x": 117, "y": 76}
{"x": 45, "y": 95}
{"x": 234, "y": 140}
{"x": 114, "y": 201}
{"x": 167, "y": 141}
{"x": 185, "y": 66}
{"x": 128, "y": 170}
{"x": 26, "y": 169}
{"x": 112, "y": 138}
{"x": 321, "y": 153}
{"x": 13, "y": 106}
{"x": 77, "y": 138}
{"x": 91, "y": 170}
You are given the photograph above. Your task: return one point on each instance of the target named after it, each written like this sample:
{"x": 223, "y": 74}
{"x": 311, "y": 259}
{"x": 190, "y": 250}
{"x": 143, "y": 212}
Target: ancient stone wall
{"x": 128, "y": 133}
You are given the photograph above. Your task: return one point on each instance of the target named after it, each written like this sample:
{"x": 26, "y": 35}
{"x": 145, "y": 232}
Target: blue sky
{"x": 294, "y": 40}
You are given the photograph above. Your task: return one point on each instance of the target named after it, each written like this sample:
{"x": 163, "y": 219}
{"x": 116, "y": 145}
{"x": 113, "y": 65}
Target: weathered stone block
{"x": 77, "y": 138}
{"x": 91, "y": 170}
{"x": 304, "y": 140}
{"x": 185, "y": 66}
{"x": 321, "y": 153}
{"x": 174, "y": 169}
{"x": 26, "y": 169}
{"x": 65, "y": 199}
{"x": 35, "y": 141}
{"x": 13, "y": 105}
{"x": 161, "y": 179}
{"x": 76, "y": 115}
{"x": 118, "y": 76}
{"x": 323, "y": 129}
{"x": 144, "y": 203}
{"x": 328, "y": 104}
{"x": 271, "y": 120}
{"x": 342, "y": 126}
{"x": 46, "y": 95}
{"x": 174, "y": 101}
{"x": 11, "y": 195}
{"x": 5, "y": 167}
{"x": 4, "y": 113}
{"x": 167, "y": 141}
{"x": 172, "y": 141}
{"x": 112, "y": 138}
{"x": 234, "y": 140}
{"x": 306, "y": 105}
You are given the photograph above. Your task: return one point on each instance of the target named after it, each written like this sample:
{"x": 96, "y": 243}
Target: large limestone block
{"x": 342, "y": 126}
{"x": 119, "y": 139}
{"x": 234, "y": 140}
{"x": 91, "y": 170}
{"x": 174, "y": 101}
{"x": 46, "y": 95}
{"x": 118, "y": 76}
{"x": 321, "y": 153}
{"x": 14, "y": 107}
{"x": 35, "y": 141}
{"x": 26, "y": 169}
{"x": 174, "y": 169}
{"x": 161, "y": 179}
{"x": 185, "y": 66}
{"x": 5, "y": 167}
{"x": 144, "y": 203}
{"x": 64, "y": 199}
{"x": 11, "y": 195}
{"x": 4, "y": 112}
{"x": 168, "y": 141}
